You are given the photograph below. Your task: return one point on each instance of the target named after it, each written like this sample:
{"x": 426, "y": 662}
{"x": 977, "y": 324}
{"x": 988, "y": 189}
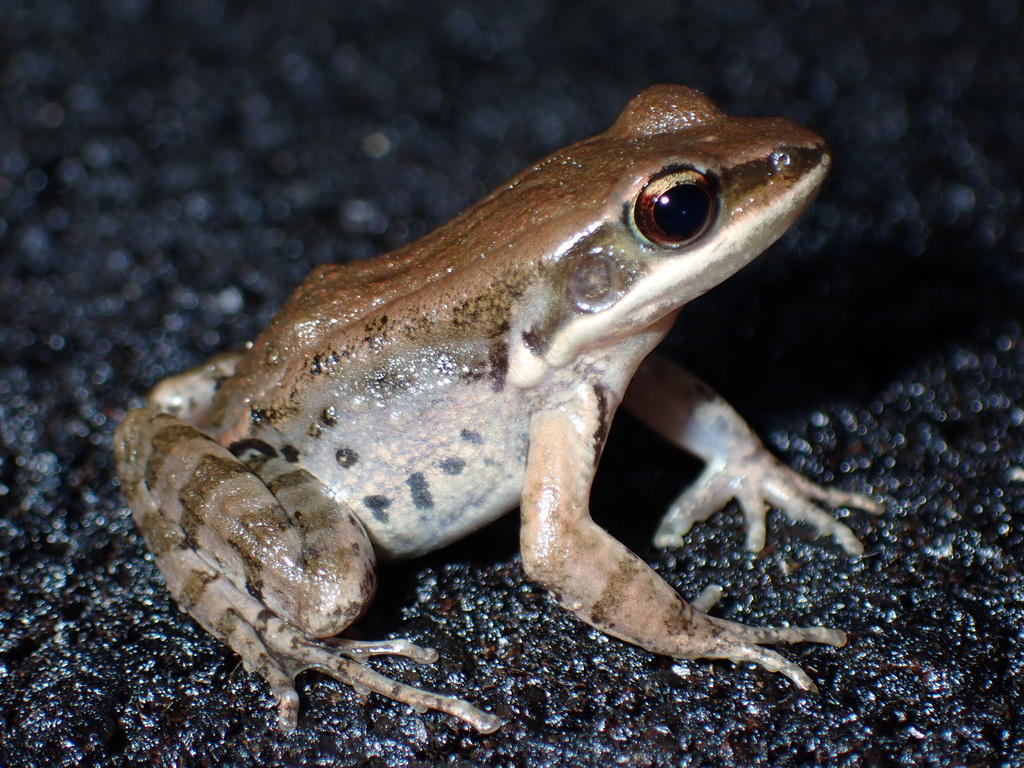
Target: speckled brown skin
{"x": 393, "y": 406}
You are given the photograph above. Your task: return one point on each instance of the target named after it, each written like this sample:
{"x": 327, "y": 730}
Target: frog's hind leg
{"x": 264, "y": 559}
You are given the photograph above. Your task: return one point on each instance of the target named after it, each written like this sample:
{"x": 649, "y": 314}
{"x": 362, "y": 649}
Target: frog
{"x": 397, "y": 404}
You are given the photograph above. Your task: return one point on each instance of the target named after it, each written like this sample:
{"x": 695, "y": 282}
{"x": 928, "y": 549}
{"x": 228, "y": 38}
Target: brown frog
{"x": 396, "y": 405}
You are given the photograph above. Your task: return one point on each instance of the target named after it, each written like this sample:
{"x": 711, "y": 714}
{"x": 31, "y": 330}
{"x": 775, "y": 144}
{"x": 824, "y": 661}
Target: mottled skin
{"x": 393, "y": 406}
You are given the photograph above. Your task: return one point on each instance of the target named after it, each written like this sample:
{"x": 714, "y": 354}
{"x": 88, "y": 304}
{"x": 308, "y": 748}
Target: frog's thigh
{"x": 606, "y": 585}
{"x": 279, "y": 539}
{"x": 232, "y": 545}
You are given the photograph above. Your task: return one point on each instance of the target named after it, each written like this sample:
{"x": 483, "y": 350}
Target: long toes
{"x": 837, "y": 497}
{"x": 357, "y": 675}
{"x": 745, "y": 653}
{"x": 755, "y": 512}
{"x": 824, "y": 524}
{"x": 288, "y": 652}
{"x": 862, "y": 502}
{"x": 361, "y": 650}
{"x": 707, "y": 599}
{"x": 705, "y": 496}
{"x": 332, "y": 658}
{"x": 287, "y": 708}
{"x": 742, "y": 633}
{"x": 776, "y": 662}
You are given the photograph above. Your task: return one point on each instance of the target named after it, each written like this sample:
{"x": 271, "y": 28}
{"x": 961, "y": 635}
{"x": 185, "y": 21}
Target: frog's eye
{"x": 675, "y": 207}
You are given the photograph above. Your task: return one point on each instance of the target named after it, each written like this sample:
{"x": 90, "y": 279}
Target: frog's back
{"x": 456, "y": 287}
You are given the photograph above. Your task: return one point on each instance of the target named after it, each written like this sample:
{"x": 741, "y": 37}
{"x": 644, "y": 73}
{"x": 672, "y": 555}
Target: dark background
{"x": 170, "y": 170}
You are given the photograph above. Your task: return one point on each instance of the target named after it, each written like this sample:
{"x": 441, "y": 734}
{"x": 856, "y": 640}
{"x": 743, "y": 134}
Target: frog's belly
{"x": 422, "y": 474}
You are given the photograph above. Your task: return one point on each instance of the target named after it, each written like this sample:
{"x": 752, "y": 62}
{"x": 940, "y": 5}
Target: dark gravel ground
{"x": 170, "y": 171}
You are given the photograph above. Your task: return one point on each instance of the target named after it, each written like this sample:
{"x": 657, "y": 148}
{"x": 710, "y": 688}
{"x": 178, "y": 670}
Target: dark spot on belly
{"x": 377, "y": 504}
{"x": 346, "y": 457}
{"x": 497, "y": 358}
{"x": 252, "y": 444}
{"x": 420, "y": 488}
{"x": 471, "y": 374}
{"x": 290, "y": 453}
{"x": 471, "y": 436}
{"x": 532, "y": 341}
{"x": 453, "y": 465}
{"x": 388, "y": 383}
{"x": 329, "y": 416}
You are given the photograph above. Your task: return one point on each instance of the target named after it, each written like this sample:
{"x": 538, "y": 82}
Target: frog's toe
{"x": 289, "y": 651}
{"x": 741, "y": 633}
{"x": 718, "y": 484}
{"x": 742, "y": 644}
{"x": 799, "y": 510}
{"x": 759, "y": 481}
{"x": 837, "y": 497}
{"x": 773, "y": 661}
{"x": 278, "y": 651}
{"x": 361, "y": 650}
{"x": 795, "y": 496}
{"x": 365, "y": 680}
{"x": 708, "y": 598}
{"x": 705, "y": 496}
{"x": 287, "y": 705}
{"x": 755, "y": 514}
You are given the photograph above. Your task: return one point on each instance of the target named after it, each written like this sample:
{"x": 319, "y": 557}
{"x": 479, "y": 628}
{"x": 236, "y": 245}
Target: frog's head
{"x": 676, "y": 197}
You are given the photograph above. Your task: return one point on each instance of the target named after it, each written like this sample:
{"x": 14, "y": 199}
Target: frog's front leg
{"x": 688, "y": 413}
{"x": 263, "y": 558}
{"x": 599, "y": 579}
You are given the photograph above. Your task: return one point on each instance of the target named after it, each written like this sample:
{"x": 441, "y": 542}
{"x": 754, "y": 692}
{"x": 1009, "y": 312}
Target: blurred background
{"x": 170, "y": 171}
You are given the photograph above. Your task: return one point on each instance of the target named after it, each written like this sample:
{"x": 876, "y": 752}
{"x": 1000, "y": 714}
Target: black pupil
{"x": 682, "y": 210}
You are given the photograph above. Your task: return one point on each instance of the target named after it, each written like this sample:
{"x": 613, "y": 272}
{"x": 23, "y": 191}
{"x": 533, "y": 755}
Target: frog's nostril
{"x": 795, "y": 162}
